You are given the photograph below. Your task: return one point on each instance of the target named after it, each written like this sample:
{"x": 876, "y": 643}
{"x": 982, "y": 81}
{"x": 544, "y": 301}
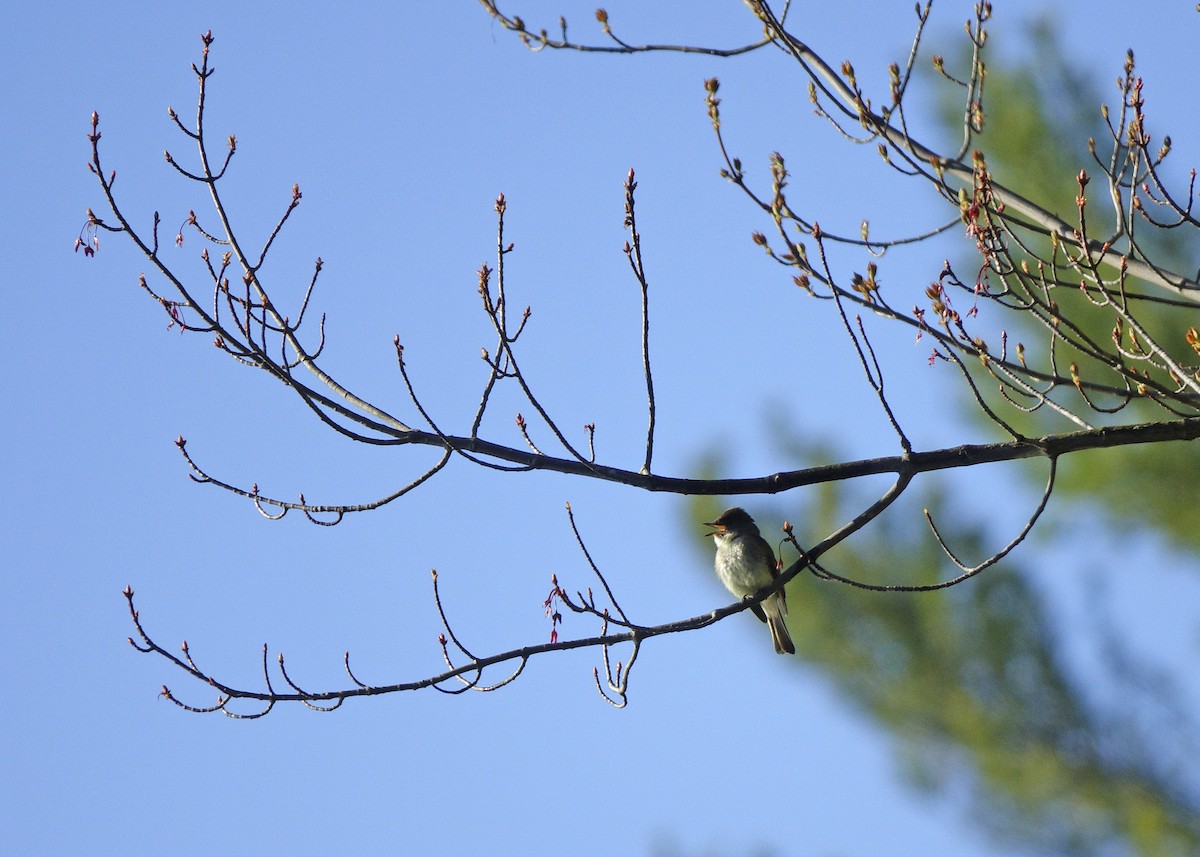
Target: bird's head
{"x": 732, "y": 522}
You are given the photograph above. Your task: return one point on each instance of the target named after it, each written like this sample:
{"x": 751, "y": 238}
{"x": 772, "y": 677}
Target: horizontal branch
{"x": 947, "y": 458}
{"x": 474, "y": 666}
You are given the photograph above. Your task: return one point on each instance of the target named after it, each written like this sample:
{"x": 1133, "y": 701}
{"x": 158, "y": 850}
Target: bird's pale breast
{"x": 742, "y": 571}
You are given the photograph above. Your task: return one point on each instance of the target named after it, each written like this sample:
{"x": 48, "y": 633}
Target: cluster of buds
{"x": 551, "y": 606}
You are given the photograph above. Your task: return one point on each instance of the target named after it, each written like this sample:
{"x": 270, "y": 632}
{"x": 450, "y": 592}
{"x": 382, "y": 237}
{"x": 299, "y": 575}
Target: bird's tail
{"x": 780, "y": 636}
{"x": 775, "y": 612}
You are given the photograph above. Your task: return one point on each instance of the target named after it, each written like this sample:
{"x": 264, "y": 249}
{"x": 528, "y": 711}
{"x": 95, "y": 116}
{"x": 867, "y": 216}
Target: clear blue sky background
{"x": 401, "y": 125}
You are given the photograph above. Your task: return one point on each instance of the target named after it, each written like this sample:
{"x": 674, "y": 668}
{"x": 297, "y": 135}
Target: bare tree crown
{"x": 1136, "y": 382}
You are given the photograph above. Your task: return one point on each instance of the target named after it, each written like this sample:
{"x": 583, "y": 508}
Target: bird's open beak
{"x": 717, "y": 529}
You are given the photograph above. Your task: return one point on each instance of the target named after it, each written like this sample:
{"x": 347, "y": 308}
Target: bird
{"x": 746, "y": 564}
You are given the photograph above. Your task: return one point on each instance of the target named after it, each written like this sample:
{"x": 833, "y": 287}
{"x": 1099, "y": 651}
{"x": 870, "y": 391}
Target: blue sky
{"x": 401, "y": 126}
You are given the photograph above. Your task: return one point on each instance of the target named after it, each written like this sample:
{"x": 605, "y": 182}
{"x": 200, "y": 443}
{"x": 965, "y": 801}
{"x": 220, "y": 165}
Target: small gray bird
{"x": 746, "y": 564}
